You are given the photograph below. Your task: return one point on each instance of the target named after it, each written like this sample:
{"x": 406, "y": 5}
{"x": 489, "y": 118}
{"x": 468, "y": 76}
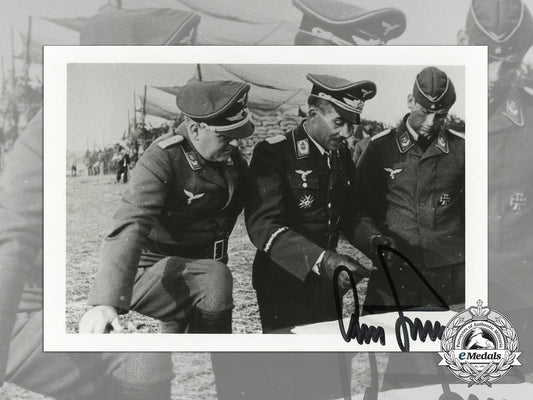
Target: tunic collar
{"x": 318, "y": 146}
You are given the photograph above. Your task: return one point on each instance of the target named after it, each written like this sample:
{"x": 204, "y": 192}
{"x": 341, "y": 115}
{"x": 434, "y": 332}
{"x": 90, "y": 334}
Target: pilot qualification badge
{"x": 306, "y": 201}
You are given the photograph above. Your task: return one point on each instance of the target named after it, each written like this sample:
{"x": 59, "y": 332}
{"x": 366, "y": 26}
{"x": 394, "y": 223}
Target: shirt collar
{"x": 318, "y": 146}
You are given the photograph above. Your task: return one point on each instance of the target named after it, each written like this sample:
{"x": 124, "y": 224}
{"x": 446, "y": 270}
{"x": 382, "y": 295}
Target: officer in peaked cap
{"x": 166, "y": 253}
{"x": 411, "y": 182}
{"x": 298, "y": 201}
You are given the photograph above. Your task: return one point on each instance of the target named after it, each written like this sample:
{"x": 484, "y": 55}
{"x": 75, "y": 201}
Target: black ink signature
{"x": 404, "y": 325}
{"x": 363, "y": 333}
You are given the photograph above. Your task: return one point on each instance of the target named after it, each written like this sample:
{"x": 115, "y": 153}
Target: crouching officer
{"x": 166, "y": 254}
{"x": 299, "y": 196}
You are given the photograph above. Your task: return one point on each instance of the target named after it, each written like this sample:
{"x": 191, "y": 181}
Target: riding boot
{"x": 173, "y": 326}
{"x": 211, "y": 321}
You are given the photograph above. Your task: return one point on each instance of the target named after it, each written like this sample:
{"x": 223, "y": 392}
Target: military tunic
{"x": 510, "y": 196}
{"x": 295, "y": 207}
{"x": 176, "y": 204}
{"x": 416, "y": 197}
{"x": 511, "y": 212}
{"x": 88, "y": 375}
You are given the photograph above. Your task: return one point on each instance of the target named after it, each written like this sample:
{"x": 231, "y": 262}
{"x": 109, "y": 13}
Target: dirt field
{"x": 90, "y": 204}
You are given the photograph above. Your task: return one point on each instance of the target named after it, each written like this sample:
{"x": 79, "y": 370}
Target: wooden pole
{"x": 144, "y": 106}
{"x": 199, "y": 70}
{"x": 134, "y": 112}
{"x": 13, "y": 72}
{"x": 3, "y": 77}
{"x": 27, "y": 60}
{"x": 15, "y": 111}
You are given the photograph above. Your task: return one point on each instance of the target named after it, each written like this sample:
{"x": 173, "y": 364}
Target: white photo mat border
{"x": 56, "y": 58}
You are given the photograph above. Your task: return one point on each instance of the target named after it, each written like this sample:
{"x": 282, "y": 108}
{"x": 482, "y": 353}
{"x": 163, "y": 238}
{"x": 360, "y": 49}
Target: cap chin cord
{"x": 225, "y": 128}
{"x": 326, "y": 35}
{"x": 338, "y": 103}
{"x": 332, "y": 38}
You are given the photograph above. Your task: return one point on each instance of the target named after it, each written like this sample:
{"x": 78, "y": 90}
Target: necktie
{"x": 327, "y": 160}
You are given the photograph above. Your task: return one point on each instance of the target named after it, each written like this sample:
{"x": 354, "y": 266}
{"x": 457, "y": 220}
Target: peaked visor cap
{"x": 433, "y": 89}
{"x": 219, "y": 106}
{"x": 348, "y": 98}
{"x": 505, "y": 26}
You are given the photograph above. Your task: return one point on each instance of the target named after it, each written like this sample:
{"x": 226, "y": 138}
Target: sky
{"x": 100, "y": 95}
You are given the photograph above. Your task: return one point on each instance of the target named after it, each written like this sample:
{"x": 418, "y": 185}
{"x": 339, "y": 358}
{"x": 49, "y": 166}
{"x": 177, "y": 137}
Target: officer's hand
{"x": 332, "y": 260}
{"x": 382, "y": 240}
{"x": 100, "y": 319}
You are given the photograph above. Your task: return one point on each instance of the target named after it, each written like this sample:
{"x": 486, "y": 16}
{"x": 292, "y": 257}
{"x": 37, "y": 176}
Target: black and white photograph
{"x": 250, "y": 198}
{"x": 505, "y": 26}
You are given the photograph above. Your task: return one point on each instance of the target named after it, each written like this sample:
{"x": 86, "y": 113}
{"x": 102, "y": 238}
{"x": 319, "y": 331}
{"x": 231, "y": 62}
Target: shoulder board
{"x": 276, "y": 139}
{"x": 381, "y": 134}
{"x": 170, "y": 141}
{"x": 458, "y": 134}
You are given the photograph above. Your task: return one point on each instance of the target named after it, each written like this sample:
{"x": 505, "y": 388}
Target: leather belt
{"x": 217, "y": 250}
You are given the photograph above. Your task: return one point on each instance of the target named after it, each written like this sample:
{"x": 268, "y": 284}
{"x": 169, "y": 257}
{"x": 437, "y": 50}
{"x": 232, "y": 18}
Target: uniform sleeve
{"x": 266, "y": 218}
{"x": 350, "y": 217}
{"x": 137, "y": 213}
{"x": 21, "y": 214}
{"x": 368, "y": 186}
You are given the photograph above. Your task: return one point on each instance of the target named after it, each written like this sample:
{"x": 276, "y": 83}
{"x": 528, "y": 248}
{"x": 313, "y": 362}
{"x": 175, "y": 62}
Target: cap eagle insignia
{"x": 388, "y": 27}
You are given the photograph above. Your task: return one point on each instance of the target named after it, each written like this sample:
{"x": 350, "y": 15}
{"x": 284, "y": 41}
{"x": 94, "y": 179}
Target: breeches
{"x": 94, "y": 376}
{"x": 314, "y": 303}
{"x": 170, "y": 288}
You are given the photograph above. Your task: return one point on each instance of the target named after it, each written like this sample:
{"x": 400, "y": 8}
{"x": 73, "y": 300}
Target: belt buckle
{"x": 218, "y": 250}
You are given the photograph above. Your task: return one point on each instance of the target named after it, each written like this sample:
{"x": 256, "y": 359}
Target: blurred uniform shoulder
{"x": 272, "y": 145}
{"x": 276, "y": 139}
{"x": 460, "y": 135}
{"x": 270, "y": 151}
{"x": 381, "y": 135}
{"x": 168, "y": 140}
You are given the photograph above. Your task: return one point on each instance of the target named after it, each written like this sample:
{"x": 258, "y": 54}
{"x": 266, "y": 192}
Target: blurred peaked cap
{"x": 505, "y": 26}
{"x": 324, "y": 18}
{"x": 433, "y": 89}
{"x": 152, "y": 26}
{"x": 347, "y": 97}
{"x": 218, "y": 106}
